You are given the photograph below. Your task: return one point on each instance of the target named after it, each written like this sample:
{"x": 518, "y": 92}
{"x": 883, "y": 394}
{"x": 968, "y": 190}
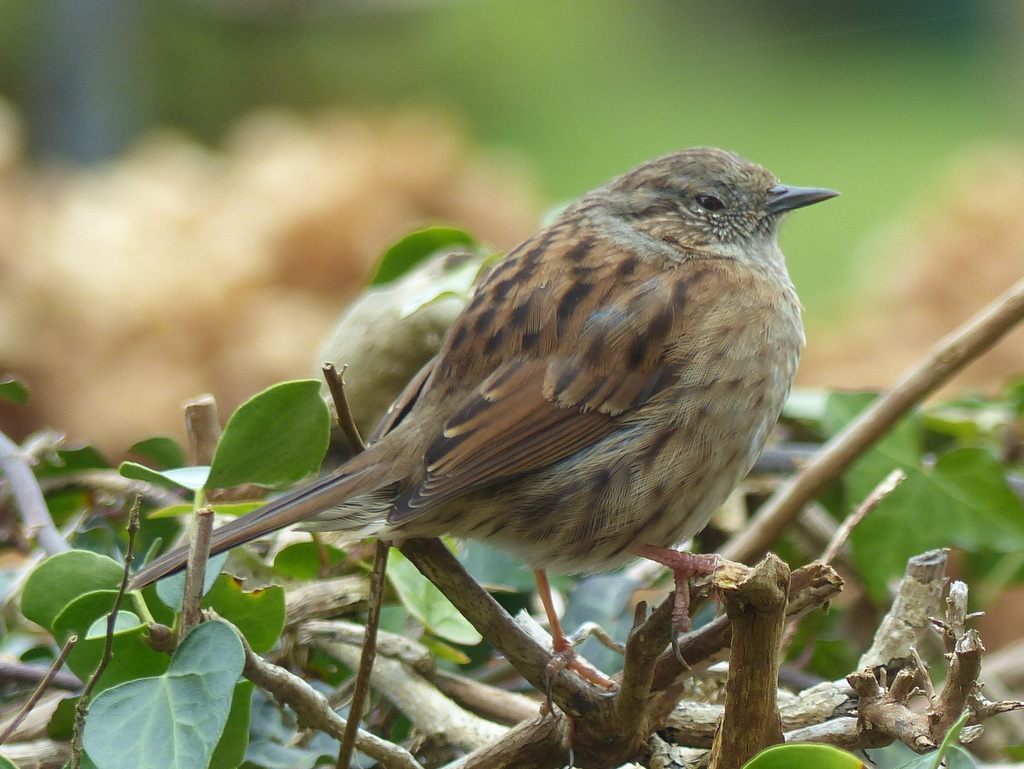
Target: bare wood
{"x": 314, "y": 711}
{"x": 908, "y": 621}
{"x": 311, "y": 601}
{"x": 195, "y": 572}
{"x": 811, "y": 586}
{"x": 947, "y": 358}
{"x": 40, "y": 690}
{"x": 84, "y": 700}
{"x": 496, "y": 704}
{"x": 31, "y": 505}
{"x": 202, "y": 426}
{"x": 756, "y": 606}
{"x": 437, "y": 564}
{"x": 347, "y": 423}
{"x": 399, "y": 647}
{"x": 368, "y": 654}
{"x": 433, "y": 714}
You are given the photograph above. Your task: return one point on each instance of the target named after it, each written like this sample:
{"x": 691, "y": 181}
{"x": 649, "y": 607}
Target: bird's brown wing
{"x": 593, "y": 352}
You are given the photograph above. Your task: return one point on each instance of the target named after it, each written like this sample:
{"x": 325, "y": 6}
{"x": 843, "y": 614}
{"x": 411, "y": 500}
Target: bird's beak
{"x": 782, "y": 197}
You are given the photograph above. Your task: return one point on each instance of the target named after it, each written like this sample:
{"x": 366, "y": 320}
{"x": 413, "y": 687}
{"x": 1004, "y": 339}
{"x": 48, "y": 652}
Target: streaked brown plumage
{"x": 612, "y": 380}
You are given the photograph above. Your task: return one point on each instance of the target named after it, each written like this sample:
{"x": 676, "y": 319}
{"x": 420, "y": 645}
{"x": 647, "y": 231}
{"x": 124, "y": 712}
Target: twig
{"x": 195, "y": 573}
{"x": 375, "y": 600}
{"x": 111, "y": 482}
{"x": 39, "y": 690}
{"x": 28, "y": 495}
{"x": 499, "y": 705}
{"x": 336, "y": 384}
{"x": 314, "y": 711}
{"x": 947, "y": 358}
{"x": 437, "y": 564}
{"x": 25, "y": 673}
{"x": 202, "y": 425}
{"x": 432, "y": 713}
{"x": 82, "y": 708}
{"x": 881, "y": 491}
{"x": 406, "y": 650}
{"x": 361, "y": 690}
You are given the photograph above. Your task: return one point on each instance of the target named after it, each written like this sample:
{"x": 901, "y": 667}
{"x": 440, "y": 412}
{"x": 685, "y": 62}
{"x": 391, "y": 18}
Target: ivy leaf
{"x": 415, "y": 247}
{"x": 804, "y": 756}
{"x": 163, "y": 451}
{"x": 62, "y": 578}
{"x": 276, "y": 437}
{"x": 172, "y": 721}
{"x": 427, "y": 604}
{"x": 190, "y": 478}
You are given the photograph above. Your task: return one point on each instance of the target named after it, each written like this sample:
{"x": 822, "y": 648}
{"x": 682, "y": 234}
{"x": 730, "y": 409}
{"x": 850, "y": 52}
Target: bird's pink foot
{"x": 683, "y": 565}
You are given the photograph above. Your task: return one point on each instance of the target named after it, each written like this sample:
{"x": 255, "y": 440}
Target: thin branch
{"x": 195, "y": 572}
{"x": 314, "y": 711}
{"x": 111, "y": 482}
{"x": 39, "y": 690}
{"x": 499, "y": 705}
{"x": 432, "y": 713}
{"x": 347, "y": 423}
{"x": 82, "y": 708}
{"x": 947, "y": 358}
{"x": 361, "y": 690}
{"x": 31, "y": 504}
{"x": 873, "y": 500}
{"x": 437, "y": 564}
{"x": 25, "y": 673}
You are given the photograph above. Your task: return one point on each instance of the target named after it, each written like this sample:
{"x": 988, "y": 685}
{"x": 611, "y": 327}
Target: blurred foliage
{"x": 868, "y": 97}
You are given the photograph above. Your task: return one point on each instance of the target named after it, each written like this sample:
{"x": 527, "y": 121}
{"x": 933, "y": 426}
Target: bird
{"x": 610, "y": 382}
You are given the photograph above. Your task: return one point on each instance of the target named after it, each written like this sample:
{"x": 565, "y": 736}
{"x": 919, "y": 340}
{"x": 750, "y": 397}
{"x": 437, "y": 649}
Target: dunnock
{"x": 611, "y": 381}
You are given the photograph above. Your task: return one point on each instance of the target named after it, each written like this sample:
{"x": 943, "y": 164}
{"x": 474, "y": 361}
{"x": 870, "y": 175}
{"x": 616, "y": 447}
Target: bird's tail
{"x": 295, "y": 506}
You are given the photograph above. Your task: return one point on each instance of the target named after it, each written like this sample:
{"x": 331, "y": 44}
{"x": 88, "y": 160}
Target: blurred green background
{"x": 870, "y": 97}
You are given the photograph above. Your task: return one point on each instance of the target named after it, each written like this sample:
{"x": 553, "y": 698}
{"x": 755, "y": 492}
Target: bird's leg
{"x": 564, "y": 653}
{"x": 683, "y": 565}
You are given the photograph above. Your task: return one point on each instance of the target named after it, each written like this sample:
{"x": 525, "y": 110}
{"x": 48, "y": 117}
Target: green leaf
{"x": 444, "y": 651}
{"x": 234, "y": 740}
{"x": 804, "y": 756}
{"x": 278, "y": 436}
{"x": 191, "y": 478}
{"x": 259, "y": 614}
{"x": 235, "y": 509}
{"x": 963, "y": 500}
{"x": 131, "y": 658}
{"x": 171, "y": 590}
{"x": 64, "y": 461}
{"x": 60, "y": 579}
{"x": 427, "y": 604}
{"x": 415, "y": 247}
{"x": 13, "y": 389}
{"x": 162, "y": 451}
{"x": 301, "y": 560}
{"x": 5, "y": 764}
{"x": 173, "y": 721}
{"x": 62, "y": 723}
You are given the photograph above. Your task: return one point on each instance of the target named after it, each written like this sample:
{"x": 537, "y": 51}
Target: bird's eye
{"x": 710, "y": 203}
